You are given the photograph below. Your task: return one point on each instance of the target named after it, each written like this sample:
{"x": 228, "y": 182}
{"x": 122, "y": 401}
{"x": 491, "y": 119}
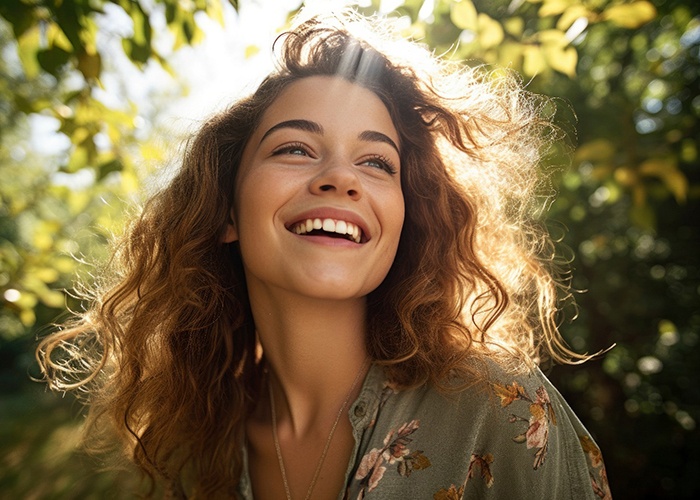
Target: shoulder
{"x": 511, "y": 433}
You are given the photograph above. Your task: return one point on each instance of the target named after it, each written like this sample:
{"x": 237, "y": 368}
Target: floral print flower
{"x": 599, "y": 476}
{"x": 541, "y": 417}
{"x": 394, "y": 452}
{"x": 484, "y": 462}
{"x": 452, "y": 493}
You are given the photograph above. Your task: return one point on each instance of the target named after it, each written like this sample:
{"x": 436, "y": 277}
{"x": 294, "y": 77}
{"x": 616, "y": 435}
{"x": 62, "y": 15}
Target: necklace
{"x": 326, "y": 446}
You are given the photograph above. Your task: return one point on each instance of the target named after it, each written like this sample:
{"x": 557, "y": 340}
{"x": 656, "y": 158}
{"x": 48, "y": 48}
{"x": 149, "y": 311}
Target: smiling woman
{"x": 341, "y": 293}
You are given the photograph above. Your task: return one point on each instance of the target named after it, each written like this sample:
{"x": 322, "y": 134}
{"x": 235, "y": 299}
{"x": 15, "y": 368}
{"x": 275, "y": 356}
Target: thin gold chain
{"x": 326, "y": 446}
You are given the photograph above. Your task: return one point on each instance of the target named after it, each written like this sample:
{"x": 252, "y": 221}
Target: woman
{"x": 341, "y": 294}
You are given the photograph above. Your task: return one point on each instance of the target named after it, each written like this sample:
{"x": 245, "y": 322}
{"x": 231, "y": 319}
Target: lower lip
{"x": 329, "y": 241}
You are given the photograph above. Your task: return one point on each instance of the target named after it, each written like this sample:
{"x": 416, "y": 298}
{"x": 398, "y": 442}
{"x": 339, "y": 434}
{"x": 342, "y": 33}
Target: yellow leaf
{"x": 27, "y": 47}
{"x": 46, "y": 274}
{"x": 553, "y": 37}
{"x": 510, "y": 55}
{"x": 626, "y": 176}
{"x": 490, "y": 31}
{"x": 57, "y": 38}
{"x": 562, "y": 60}
{"x": 572, "y": 14}
{"x": 463, "y": 15}
{"x": 596, "y": 150}
{"x": 630, "y": 15}
{"x": 251, "y": 50}
{"x": 553, "y": 7}
{"x": 667, "y": 171}
{"x": 514, "y": 26}
{"x": 27, "y": 317}
{"x": 78, "y": 159}
{"x": 53, "y": 298}
{"x": 534, "y": 62}
{"x": 215, "y": 11}
{"x": 42, "y": 241}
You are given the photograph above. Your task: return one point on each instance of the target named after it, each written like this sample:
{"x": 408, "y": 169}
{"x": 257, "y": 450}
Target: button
{"x": 360, "y": 410}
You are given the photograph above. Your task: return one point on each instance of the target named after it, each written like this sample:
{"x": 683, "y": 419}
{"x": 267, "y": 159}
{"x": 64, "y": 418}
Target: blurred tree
{"x": 628, "y": 69}
{"x": 51, "y": 70}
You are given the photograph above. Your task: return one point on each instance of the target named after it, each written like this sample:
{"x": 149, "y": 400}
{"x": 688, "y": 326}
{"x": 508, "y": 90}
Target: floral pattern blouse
{"x": 516, "y": 439}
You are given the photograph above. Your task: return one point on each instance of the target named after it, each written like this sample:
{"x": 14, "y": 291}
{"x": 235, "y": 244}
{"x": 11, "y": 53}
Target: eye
{"x": 380, "y": 162}
{"x": 295, "y": 148}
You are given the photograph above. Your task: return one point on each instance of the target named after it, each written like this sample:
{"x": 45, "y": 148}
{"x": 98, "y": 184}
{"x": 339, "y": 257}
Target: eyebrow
{"x": 305, "y": 125}
{"x": 373, "y": 136}
{"x": 315, "y": 128}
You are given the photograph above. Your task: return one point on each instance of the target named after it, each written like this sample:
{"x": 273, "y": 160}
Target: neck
{"x": 315, "y": 349}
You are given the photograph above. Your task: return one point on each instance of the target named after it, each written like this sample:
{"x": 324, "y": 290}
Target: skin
{"x": 325, "y": 149}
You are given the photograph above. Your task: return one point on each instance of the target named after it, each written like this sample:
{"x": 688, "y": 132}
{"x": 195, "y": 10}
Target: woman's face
{"x": 318, "y": 207}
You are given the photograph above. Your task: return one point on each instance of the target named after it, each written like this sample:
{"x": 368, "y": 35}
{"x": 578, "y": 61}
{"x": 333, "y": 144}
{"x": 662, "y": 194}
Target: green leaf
{"x": 27, "y": 47}
{"x": 53, "y": 59}
{"x": 108, "y": 167}
{"x": 90, "y": 65}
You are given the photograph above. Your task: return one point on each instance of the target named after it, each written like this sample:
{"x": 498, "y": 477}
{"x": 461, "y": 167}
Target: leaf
{"x": 666, "y": 170}
{"x": 90, "y": 65}
{"x": 642, "y": 215}
{"x": 46, "y": 274}
{"x": 27, "y": 48}
{"x": 630, "y": 15}
{"x": 78, "y": 159}
{"x": 453, "y": 493}
{"x": 560, "y": 59}
{"x": 571, "y": 14}
{"x": 106, "y": 168}
{"x": 596, "y": 150}
{"x": 520, "y": 438}
{"x": 514, "y": 26}
{"x": 553, "y": 7}
{"x": 53, "y": 298}
{"x": 420, "y": 461}
{"x": 53, "y": 59}
{"x": 138, "y": 54}
{"x": 251, "y": 50}
{"x": 534, "y": 62}
{"x": 508, "y": 393}
{"x": 510, "y": 55}
{"x": 216, "y": 12}
{"x": 463, "y": 15}
{"x": 490, "y": 31}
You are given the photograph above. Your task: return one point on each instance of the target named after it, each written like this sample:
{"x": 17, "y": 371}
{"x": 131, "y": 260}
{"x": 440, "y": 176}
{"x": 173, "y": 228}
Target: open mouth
{"x": 329, "y": 227}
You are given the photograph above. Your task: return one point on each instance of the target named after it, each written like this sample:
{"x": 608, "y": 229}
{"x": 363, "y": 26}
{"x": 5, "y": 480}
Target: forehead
{"x": 333, "y": 102}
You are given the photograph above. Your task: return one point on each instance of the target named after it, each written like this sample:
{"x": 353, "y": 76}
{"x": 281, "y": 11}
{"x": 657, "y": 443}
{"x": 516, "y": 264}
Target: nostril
{"x": 326, "y": 187}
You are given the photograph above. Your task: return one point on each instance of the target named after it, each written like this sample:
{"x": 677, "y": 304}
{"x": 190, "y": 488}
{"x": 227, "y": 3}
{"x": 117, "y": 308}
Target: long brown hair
{"x": 167, "y": 350}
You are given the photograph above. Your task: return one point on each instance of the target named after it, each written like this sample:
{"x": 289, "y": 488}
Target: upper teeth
{"x": 329, "y": 226}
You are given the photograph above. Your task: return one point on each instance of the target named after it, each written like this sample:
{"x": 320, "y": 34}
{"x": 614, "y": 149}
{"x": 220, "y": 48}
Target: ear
{"x": 231, "y": 233}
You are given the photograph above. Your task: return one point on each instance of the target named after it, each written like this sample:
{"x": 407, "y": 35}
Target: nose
{"x": 337, "y": 179}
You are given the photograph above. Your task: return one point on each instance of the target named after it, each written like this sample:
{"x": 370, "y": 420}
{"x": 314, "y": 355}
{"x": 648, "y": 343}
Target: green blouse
{"x": 516, "y": 439}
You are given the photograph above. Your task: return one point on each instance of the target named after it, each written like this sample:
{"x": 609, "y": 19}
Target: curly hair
{"x": 167, "y": 350}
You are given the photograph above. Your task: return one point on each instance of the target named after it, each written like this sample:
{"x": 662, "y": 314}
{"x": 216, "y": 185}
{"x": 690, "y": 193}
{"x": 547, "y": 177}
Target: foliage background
{"x": 625, "y": 71}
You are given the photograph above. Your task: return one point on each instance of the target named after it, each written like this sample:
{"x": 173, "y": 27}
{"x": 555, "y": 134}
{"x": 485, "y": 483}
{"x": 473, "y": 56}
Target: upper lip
{"x": 332, "y": 213}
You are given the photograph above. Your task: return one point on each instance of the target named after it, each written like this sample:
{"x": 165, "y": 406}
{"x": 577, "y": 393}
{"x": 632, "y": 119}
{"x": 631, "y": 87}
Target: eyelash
{"x": 384, "y": 163}
{"x": 288, "y": 148}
